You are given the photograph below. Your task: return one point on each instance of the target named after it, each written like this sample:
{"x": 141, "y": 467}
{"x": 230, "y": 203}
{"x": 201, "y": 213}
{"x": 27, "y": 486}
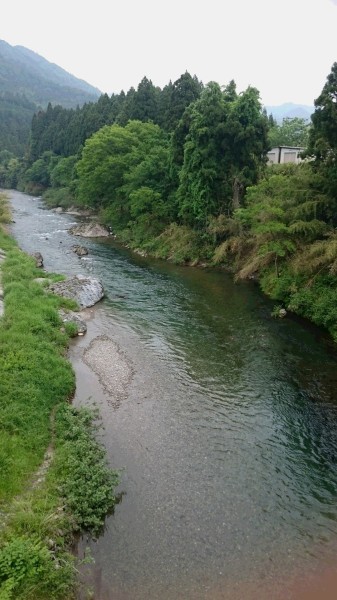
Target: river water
{"x": 227, "y": 435}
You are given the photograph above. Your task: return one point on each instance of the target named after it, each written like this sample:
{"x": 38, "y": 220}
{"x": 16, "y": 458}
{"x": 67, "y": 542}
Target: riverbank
{"x": 293, "y": 262}
{"x": 55, "y": 481}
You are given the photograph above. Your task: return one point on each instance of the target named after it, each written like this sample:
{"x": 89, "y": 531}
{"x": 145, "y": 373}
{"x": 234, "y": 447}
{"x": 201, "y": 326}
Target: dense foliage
{"x": 16, "y": 113}
{"x": 64, "y": 132}
{"x": 286, "y": 233}
{"x": 181, "y": 173}
{"x": 291, "y": 132}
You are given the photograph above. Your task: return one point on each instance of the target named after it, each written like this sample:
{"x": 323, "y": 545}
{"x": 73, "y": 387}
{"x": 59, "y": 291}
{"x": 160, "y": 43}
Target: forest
{"x": 181, "y": 173}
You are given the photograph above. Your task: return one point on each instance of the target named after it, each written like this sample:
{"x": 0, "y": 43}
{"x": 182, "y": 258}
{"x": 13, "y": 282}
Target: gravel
{"x": 110, "y": 364}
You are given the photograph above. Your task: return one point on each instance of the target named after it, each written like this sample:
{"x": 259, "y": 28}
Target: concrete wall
{"x": 284, "y": 154}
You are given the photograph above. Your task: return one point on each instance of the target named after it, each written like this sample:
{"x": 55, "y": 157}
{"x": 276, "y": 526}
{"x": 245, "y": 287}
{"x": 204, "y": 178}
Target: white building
{"x": 284, "y": 154}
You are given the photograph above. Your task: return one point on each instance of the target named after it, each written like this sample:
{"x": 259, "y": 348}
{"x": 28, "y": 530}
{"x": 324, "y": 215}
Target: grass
{"x": 5, "y": 214}
{"x": 177, "y": 243}
{"x": 38, "y": 522}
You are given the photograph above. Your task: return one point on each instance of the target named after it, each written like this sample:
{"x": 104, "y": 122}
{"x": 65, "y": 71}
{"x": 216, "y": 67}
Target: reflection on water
{"x": 228, "y": 435}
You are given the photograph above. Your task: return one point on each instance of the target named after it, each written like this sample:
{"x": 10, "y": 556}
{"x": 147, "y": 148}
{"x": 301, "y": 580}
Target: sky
{"x": 284, "y": 48}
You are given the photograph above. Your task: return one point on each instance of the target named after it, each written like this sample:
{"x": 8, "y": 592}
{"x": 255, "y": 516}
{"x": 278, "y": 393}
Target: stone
{"x": 58, "y": 210}
{"x": 42, "y": 280}
{"x": 38, "y": 259}
{"x": 282, "y": 313}
{"x": 73, "y": 317}
{"x": 85, "y": 290}
{"x": 80, "y": 250}
{"x": 90, "y": 230}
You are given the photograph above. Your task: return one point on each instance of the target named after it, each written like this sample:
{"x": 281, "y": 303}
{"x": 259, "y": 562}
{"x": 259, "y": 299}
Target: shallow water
{"x": 228, "y": 431}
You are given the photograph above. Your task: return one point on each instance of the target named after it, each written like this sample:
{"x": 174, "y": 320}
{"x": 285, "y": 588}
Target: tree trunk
{"x": 237, "y": 193}
{"x": 276, "y": 268}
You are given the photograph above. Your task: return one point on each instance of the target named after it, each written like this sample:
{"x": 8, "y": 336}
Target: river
{"x": 226, "y": 437}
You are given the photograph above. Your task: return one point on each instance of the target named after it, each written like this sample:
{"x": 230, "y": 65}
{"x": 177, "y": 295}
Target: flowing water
{"x": 227, "y": 435}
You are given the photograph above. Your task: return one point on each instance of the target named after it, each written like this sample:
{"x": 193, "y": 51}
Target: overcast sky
{"x": 285, "y": 48}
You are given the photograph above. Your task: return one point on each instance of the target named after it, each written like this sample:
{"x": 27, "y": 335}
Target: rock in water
{"x": 80, "y": 250}
{"x": 90, "y": 230}
{"x": 86, "y": 291}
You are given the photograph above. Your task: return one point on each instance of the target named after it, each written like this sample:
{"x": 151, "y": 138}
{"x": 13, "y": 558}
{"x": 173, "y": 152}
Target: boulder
{"x": 80, "y": 250}
{"x": 38, "y": 259}
{"x": 58, "y": 210}
{"x": 90, "y": 230}
{"x": 86, "y": 291}
{"x": 282, "y": 313}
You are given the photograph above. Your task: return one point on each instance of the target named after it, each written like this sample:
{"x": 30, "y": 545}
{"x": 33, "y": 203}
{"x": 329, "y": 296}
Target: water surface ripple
{"x": 228, "y": 435}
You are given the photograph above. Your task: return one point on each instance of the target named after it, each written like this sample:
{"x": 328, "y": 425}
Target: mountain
{"x": 290, "y": 110}
{"x": 22, "y": 71}
{"x": 29, "y": 82}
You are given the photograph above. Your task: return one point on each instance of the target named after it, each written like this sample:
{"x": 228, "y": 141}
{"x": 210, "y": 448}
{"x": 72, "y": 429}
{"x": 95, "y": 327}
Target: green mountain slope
{"x": 25, "y": 72}
{"x": 29, "y": 82}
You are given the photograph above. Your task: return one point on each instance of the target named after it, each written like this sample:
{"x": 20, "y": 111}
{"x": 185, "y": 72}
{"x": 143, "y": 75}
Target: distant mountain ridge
{"x": 289, "y": 110}
{"x": 29, "y": 82}
{"x": 24, "y": 72}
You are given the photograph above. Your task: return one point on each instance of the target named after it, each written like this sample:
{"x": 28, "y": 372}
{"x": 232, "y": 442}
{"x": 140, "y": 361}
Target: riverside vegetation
{"x": 181, "y": 173}
{"x": 41, "y": 510}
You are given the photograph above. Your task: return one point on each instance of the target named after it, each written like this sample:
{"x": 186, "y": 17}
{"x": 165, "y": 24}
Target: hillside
{"x": 25, "y": 72}
{"x": 29, "y": 82}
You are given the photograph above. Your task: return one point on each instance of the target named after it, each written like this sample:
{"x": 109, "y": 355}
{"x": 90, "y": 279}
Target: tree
{"x": 323, "y": 135}
{"x": 184, "y": 91}
{"x": 323, "y": 139}
{"x": 116, "y": 163}
{"x": 105, "y": 159}
{"x": 145, "y": 102}
{"x": 63, "y": 172}
{"x": 292, "y": 132}
{"x": 201, "y": 190}
{"x": 39, "y": 172}
{"x": 224, "y": 152}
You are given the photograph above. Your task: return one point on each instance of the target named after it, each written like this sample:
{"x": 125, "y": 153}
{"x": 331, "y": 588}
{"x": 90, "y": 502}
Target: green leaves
{"x": 224, "y": 151}
{"x": 87, "y": 482}
{"x": 324, "y": 119}
{"x": 291, "y": 132}
{"x": 106, "y": 156}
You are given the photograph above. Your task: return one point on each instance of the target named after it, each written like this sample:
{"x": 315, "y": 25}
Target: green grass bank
{"x": 42, "y": 507}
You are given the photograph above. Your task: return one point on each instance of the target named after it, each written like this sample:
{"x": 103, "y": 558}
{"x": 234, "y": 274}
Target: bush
{"x": 87, "y": 482}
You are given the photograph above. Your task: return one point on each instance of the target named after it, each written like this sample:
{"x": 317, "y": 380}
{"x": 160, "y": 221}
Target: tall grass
{"x": 5, "y": 214}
